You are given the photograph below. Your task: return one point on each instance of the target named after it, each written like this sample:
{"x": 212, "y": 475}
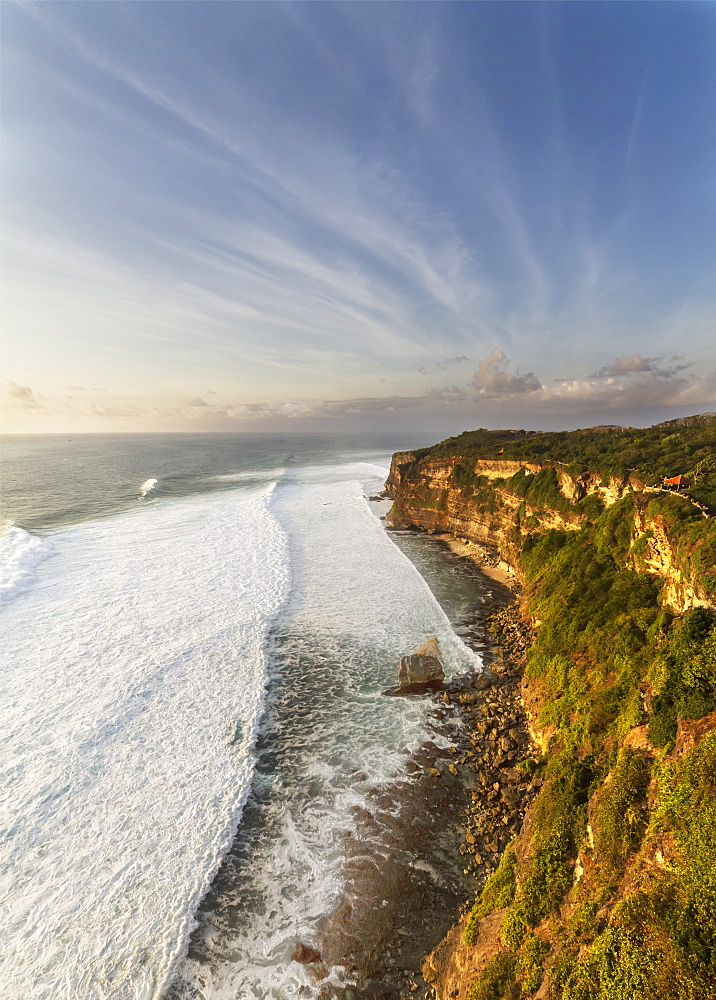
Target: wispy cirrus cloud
{"x": 359, "y": 225}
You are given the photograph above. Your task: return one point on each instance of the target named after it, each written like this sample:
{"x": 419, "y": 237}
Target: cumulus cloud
{"x": 632, "y": 390}
{"x": 493, "y": 380}
{"x": 637, "y": 363}
{"x": 496, "y": 393}
{"x": 633, "y": 382}
{"x": 21, "y": 395}
{"x": 75, "y": 388}
{"x": 628, "y": 383}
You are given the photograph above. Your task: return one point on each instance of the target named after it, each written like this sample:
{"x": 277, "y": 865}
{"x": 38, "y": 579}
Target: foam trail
{"x": 250, "y": 474}
{"x": 357, "y": 605}
{"x": 147, "y": 486}
{"x": 133, "y": 683}
{"x": 20, "y": 556}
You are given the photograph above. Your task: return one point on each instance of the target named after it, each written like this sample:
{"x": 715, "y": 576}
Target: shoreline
{"x": 484, "y": 558}
{"x": 420, "y": 852}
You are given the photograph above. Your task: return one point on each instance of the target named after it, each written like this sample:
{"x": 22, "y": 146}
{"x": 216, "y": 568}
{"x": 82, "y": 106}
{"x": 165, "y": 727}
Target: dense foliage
{"x": 679, "y": 447}
{"x": 614, "y": 895}
{"x": 499, "y": 891}
{"x": 608, "y": 658}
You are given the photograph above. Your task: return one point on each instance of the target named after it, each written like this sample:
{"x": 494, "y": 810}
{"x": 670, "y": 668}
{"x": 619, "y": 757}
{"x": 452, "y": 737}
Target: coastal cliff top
{"x": 682, "y": 447}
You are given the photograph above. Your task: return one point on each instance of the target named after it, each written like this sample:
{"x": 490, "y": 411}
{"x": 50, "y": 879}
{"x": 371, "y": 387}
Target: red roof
{"x": 677, "y": 481}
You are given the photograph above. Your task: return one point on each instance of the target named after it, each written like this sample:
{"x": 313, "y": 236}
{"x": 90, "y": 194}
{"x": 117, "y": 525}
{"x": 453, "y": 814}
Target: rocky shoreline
{"x": 424, "y": 846}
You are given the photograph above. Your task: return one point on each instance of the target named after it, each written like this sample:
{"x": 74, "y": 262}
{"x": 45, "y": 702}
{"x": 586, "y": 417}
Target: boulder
{"x": 306, "y": 955}
{"x": 423, "y": 666}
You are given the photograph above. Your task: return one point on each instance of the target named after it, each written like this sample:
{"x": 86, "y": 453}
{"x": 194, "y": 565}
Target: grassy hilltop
{"x": 686, "y": 446}
{"x": 610, "y": 889}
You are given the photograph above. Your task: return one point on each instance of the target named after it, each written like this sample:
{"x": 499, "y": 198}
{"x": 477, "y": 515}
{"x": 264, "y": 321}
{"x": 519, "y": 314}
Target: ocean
{"x": 196, "y": 631}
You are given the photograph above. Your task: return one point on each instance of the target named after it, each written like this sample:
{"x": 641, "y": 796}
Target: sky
{"x": 339, "y": 216}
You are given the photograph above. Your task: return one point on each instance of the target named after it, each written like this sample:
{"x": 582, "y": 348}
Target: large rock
{"x": 421, "y": 671}
{"x": 423, "y": 666}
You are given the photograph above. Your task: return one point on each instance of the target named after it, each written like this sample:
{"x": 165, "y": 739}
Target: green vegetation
{"x": 686, "y": 811}
{"x": 614, "y": 896}
{"x": 603, "y": 640}
{"x": 620, "y": 814}
{"x": 692, "y": 538}
{"x": 499, "y": 891}
{"x": 532, "y": 963}
{"x": 618, "y": 966}
{"x": 541, "y": 489}
{"x": 559, "y": 826}
{"x": 686, "y": 446}
{"x": 497, "y": 981}
{"x": 648, "y": 455}
{"x": 660, "y": 943}
{"x": 683, "y": 676}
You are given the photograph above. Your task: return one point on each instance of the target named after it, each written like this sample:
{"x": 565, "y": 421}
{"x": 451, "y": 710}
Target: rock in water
{"x": 422, "y": 667}
{"x": 306, "y": 955}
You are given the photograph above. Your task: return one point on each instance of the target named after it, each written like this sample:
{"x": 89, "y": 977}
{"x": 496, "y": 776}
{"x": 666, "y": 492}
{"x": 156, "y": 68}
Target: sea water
{"x": 194, "y": 649}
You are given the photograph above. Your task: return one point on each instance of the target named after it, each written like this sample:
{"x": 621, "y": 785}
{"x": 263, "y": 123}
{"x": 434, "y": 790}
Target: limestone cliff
{"x": 609, "y": 887}
{"x": 498, "y": 503}
{"x": 660, "y": 548}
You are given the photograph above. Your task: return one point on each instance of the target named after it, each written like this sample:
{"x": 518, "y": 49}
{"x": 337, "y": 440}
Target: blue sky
{"x": 441, "y": 215}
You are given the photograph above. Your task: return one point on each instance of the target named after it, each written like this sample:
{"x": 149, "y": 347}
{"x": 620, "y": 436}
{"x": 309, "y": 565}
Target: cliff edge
{"x": 609, "y": 888}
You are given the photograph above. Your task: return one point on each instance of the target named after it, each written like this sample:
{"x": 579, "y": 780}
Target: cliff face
{"x": 489, "y": 501}
{"x": 609, "y": 887}
{"x": 657, "y": 549}
{"x": 431, "y": 495}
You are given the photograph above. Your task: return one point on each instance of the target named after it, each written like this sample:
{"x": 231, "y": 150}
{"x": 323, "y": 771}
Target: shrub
{"x": 499, "y": 891}
{"x": 534, "y": 951}
{"x": 687, "y": 808}
{"x": 617, "y": 967}
{"x": 684, "y": 675}
{"x": 497, "y": 981}
{"x": 559, "y": 820}
{"x": 620, "y": 814}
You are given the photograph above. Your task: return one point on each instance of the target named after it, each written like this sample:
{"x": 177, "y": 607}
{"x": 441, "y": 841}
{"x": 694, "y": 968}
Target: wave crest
{"x": 20, "y": 555}
{"x": 147, "y": 487}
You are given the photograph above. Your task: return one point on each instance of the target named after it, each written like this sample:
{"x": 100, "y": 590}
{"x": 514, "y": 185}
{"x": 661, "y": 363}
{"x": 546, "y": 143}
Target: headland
{"x": 605, "y": 877}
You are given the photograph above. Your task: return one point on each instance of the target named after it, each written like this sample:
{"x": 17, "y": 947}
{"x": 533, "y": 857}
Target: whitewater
{"x": 131, "y": 693}
{"x": 329, "y": 737}
{"x": 191, "y": 667}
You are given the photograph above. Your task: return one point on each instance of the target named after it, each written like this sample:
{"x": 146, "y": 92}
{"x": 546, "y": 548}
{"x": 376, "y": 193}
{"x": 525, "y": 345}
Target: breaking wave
{"x": 147, "y": 487}
{"x": 20, "y": 555}
{"x": 133, "y": 684}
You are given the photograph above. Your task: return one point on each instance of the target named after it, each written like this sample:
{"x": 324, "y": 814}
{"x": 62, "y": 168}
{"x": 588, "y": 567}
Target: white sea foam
{"x": 134, "y": 682}
{"x": 130, "y": 669}
{"x": 343, "y": 472}
{"x": 357, "y": 605}
{"x": 20, "y": 556}
{"x": 147, "y": 487}
{"x": 250, "y": 474}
